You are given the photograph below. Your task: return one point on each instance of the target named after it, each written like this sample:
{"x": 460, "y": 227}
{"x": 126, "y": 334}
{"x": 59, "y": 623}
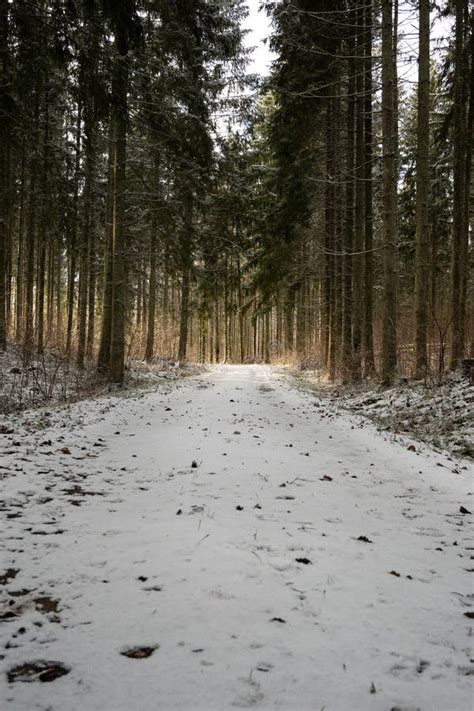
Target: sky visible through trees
{"x": 258, "y": 25}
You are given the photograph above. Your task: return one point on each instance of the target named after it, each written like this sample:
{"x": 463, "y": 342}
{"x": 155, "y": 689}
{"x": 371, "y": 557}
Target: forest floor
{"x": 230, "y": 541}
{"x": 52, "y": 378}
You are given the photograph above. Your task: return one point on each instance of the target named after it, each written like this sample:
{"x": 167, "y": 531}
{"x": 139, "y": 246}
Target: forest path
{"x": 220, "y": 518}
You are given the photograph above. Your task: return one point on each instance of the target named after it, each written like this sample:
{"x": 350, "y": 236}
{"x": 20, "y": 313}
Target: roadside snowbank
{"x": 442, "y": 416}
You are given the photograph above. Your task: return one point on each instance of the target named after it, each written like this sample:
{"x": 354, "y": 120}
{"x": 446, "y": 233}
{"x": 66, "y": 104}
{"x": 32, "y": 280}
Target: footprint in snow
{"x": 221, "y": 595}
{"x": 280, "y": 564}
{"x": 250, "y": 694}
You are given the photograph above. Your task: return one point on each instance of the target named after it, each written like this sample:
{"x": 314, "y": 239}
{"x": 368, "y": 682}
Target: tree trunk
{"x": 42, "y": 234}
{"x": 329, "y": 246}
{"x": 150, "y": 335}
{"x": 106, "y": 325}
{"x": 290, "y": 296}
{"x": 184, "y": 316}
{"x": 20, "y": 254}
{"x": 119, "y": 120}
{"x": 389, "y": 187}
{"x": 422, "y": 258}
{"x": 241, "y": 317}
{"x": 466, "y": 274}
{"x": 84, "y": 276}
{"x": 91, "y": 295}
{"x": 358, "y": 258}
{"x": 4, "y": 166}
{"x": 348, "y": 225}
{"x": 72, "y": 246}
{"x": 369, "y": 364}
{"x": 459, "y": 191}
{"x": 300, "y": 322}
{"x": 30, "y": 241}
{"x": 186, "y": 260}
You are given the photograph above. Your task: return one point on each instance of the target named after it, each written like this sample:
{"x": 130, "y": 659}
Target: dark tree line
{"x": 372, "y": 214}
{"x": 155, "y": 204}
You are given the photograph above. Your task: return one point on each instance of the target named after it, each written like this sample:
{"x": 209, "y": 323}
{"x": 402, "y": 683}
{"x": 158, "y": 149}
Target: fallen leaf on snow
{"x": 139, "y": 652}
{"x": 37, "y": 671}
{"x": 8, "y": 575}
{"x": 264, "y": 667}
{"x": 46, "y": 604}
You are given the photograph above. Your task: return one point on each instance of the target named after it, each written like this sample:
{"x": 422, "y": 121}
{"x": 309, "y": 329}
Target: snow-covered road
{"x": 278, "y": 555}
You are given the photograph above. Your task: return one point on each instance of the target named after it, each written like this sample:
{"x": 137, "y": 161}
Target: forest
{"x": 236, "y": 355}
{"x": 158, "y": 201}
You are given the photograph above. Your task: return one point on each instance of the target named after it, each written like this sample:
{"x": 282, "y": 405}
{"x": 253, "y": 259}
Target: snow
{"x": 105, "y": 516}
{"x": 440, "y": 414}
